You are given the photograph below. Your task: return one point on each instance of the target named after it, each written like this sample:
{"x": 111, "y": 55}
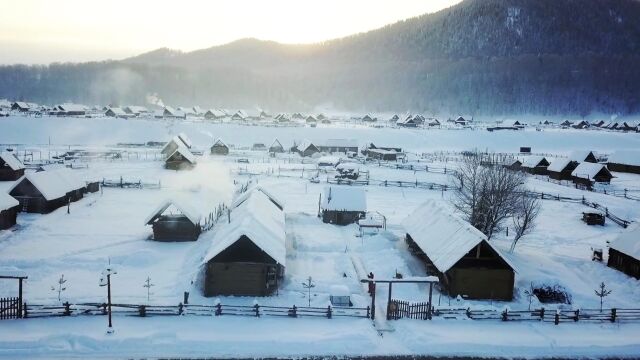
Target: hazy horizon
{"x": 77, "y": 30}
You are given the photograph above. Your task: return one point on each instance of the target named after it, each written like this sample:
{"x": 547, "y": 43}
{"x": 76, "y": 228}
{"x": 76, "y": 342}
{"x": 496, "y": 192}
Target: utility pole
{"x": 105, "y": 280}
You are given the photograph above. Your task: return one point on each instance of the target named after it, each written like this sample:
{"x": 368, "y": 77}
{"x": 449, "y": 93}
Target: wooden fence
{"x": 129, "y": 184}
{"x": 67, "y": 309}
{"x": 402, "y": 309}
{"x": 10, "y": 308}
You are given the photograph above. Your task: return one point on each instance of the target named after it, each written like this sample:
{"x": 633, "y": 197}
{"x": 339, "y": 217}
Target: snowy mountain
{"x": 480, "y": 56}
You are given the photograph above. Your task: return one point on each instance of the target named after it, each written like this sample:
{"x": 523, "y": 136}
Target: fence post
{"x": 541, "y": 313}
{"x": 142, "y": 310}
{"x": 613, "y": 315}
{"x": 368, "y": 312}
{"x": 556, "y": 320}
{"x": 24, "y": 308}
{"x": 293, "y": 312}
{"x": 468, "y": 313}
{"x": 505, "y": 315}
{"x": 218, "y": 309}
{"x": 180, "y": 309}
{"x": 256, "y": 307}
{"x": 576, "y": 317}
{"x": 67, "y": 308}
{"x": 329, "y": 312}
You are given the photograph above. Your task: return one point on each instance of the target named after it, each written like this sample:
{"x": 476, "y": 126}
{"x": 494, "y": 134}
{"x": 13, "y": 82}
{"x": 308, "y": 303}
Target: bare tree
{"x": 486, "y": 194}
{"x": 526, "y": 212}
{"x": 602, "y": 293}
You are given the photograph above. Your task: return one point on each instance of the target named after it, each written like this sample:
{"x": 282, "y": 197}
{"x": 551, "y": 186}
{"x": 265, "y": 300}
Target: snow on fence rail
{"x": 404, "y": 309}
{"x": 67, "y": 309}
{"x": 129, "y": 184}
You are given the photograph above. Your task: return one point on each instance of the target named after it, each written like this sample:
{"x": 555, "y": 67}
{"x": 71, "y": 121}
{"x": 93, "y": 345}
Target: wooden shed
{"x": 561, "y": 168}
{"x": 583, "y": 156}
{"x": 587, "y": 173}
{"x": 276, "y": 147}
{"x": 219, "y": 148}
{"x": 536, "y": 165}
{"x": 466, "y": 263}
{"x": 512, "y": 164}
{"x": 627, "y": 161}
{"x": 343, "y": 205}
{"x": 40, "y": 192}
{"x": 306, "y": 148}
{"x": 381, "y": 154}
{"x": 339, "y": 146}
{"x": 174, "y": 221}
{"x": 177, "y": 141}
{"x": 9, "y": 208}
{"x": 180, "y": 159}
{"x": 248, "y": 253}
{"x": 11, "y": 168}
{"x": 624, "y": 252}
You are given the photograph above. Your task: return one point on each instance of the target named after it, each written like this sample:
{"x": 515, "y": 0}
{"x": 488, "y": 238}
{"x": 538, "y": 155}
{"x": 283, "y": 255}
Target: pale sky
{"x": 44, "y": 31}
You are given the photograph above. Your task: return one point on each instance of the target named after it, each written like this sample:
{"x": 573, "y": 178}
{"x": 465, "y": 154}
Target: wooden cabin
{"x": 214, "y": 114}
{"x": 536, "y": 165}
{"x": 276, "y": 147}
{"x": 20, "y": 106}
{"x": 588, "y": 173}
{"x": 9, "y": 208}
{"x": 512, "y": 164}
{"x": 381, "y": 154}
{"x": 181, "y": 223}
{"x": 459, "y": 254}
{"x": 339, "y": 146}
{"x": 219, "y": 148}
{"x": 306, "y": 149}
{"x": 369, "y": 118}
{"x": 624, "y": 252}
{"x": 181, "y": 159}
{"x": 342, "y": 205}
{"x": 583, "y": 156}
{"x": 561, "y": 169}
{"x": 40, "y": 192}
{"x": 11, "y": 168}
{"x": 116, "y": 112}
{"x": 627, "y": 161}
{"x": 248, "y": 253}
{"x": 180, "y": 140}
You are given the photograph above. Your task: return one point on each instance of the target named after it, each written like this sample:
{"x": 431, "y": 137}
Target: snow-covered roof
{"x": 304, "y": 145}
{"x": 188, "y": 155}
{"x": 72, "y": 107}
{"x": 7, "y": 201}
{"x": 587, "y": 170}
{"x": 276, "y": 143}
{"x": 258, "y": 219}
{"x": 443, "y": 236}
{"x": 328, "y": 160}
{"x": 532, "y": 161}
{"x": 48, "y": 184}
{"x": 219, "y": 142}
{"x": 136, "y": 109}
{"x": 628, "y": 242}
{"x": 340, "y": 143}
{"x": 339, "y": 198}
{"x": 185, "y": 140}
{"x": 625, "y": 157}
{"x": 117, "y": 111}
{"x": 192, "y": 214}
{"x": 348, "y": 166}
{"x": 11, "y": 160}
{"x": 558, "y": 164}
{"x": 257, "y": 191}
{"x": 340, "y": 290}
{"x": 66, "y": 175}
{"x": 580, "y": 155}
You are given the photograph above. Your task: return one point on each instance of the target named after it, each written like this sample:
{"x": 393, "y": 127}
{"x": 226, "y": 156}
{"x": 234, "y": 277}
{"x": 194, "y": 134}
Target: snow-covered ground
{"x": 108, "y": 226}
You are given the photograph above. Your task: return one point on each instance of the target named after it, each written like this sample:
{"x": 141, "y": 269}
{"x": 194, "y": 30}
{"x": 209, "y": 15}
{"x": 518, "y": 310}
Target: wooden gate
{"x": 10, "y": 308}
{"x": 403, "y": 309}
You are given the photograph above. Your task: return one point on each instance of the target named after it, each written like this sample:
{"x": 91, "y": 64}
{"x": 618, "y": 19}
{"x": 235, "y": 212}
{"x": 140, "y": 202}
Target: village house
{"x": 9, "y": 208}
{"x": 342, "y": 205}
{"x": 629, "y": 126}
{"x": 512, "y": 164}
{"x": 583, "y": 156}
{"x": 135, "y": 110}
{"x": 394, "y": 119}
{"x": 239, "y": 116}
{"x": 306, "y": 148}
{"x": 536, "y": 165}
{"x": 311, "y": 120}
{"x": 466, "y": 263}
{"x": 463, "y": 120}
{"x": 381, "y": 154}
{"x": 624, "y": 252}
{"x": 219, "y": 148}
{"x": 587, "y": 173}
{"x": 627, "y": 161}
{"x": 116, "y": 112}
{"x": 339, "y": 146}
{"x": 20, "y": 106}
{"x": 248, "y": 253}
{"x": 40, "y": 192}
{"x": 561, "y": 168}
{"x": 369, "y": 118}
{"x": 214, "y": 114}
{"x": 180, "y": 159}
{"x": 174, "y": 221}
{"x": 11, "y": 168}
{"x": 276, "y": 147}
{"x": 71, "y": 110}
{"x": 433, "y": 122}
{"x": 177, "y": 141}
{"x": 409, "y": 122}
